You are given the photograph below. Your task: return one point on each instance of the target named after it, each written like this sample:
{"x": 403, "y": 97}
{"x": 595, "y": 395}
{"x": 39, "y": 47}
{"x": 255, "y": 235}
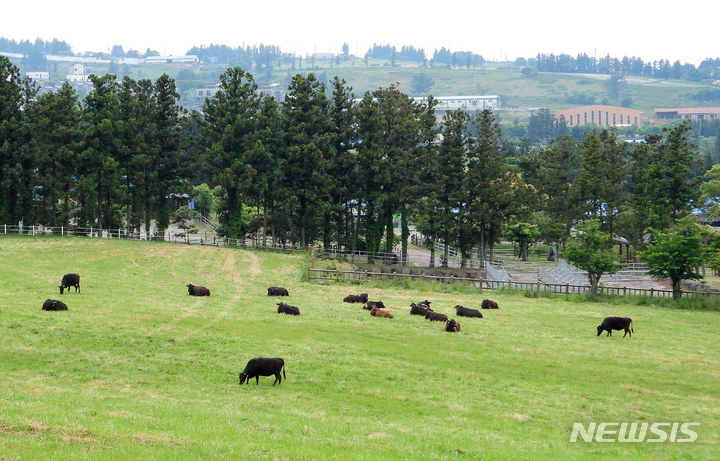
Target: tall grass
{"x": 137, "y": 369}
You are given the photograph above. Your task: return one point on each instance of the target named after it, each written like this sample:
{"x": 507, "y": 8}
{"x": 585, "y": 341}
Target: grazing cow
{"x": 288, "y": 309}
{"x": 616, "y": 323}
{"x": 452, "y": 326}
{"x": 489, "y": 304}
{"x": 436, "y": 317}
{"x": 465, "y": 312}
{"x": 197, "y": 290}
{"x": 70, "y": 280}
{"x": 361, "y": 298}
{"x": 263, "y": 366}
{"x": 53, "y": 305}
{"x": 278, "y": 291}
{"x": 419, "y": 309}
{"x": 375, "y": 312}
{"x": 370, "y": 304}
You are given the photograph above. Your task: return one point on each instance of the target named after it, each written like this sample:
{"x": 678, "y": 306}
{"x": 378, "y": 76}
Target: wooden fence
{"x": 485, "y": 284}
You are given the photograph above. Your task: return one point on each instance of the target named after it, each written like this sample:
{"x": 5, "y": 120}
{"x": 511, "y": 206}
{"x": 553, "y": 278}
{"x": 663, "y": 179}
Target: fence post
{"x": 624, "y": 291}
{"x": 651, "y": 292}
{"x": 538, "y": 286}
{"x": 393, "y": 278}
{"x": 365, "y": 275}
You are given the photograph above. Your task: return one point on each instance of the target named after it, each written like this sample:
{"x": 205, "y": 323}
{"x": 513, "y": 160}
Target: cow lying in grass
{"x": 436, "y": 317}
{"x": 489, "y": 304}
{"x": 375, "y": 312}
{"x": 452, "y": 326}
{"x": 419, "y": 309}
{"x": 263, "y": 366}
{"x": 361, "y": 298}
{"x": 277, "y": 291}
{"x": 465, "y": 312}
{"x": 197, "y": 290}
{"x": 54, "y": 305}
{"x": 370, "y": 304}
{"x": 288, "y": 309}
{"x": 616, "y": 323}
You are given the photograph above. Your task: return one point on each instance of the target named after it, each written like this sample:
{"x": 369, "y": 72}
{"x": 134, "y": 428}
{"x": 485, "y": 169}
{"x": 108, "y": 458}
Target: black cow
{"x": 53, "y": 305}
{"x": 465, "y": 312}
{"x": 489, "y": 304}
{"x": 288, "y": 309}
{"x": 616, "y": 323}
{"x": 436, "y": 317}
{"x": 419, "y": 309}
{"x": 452, "y": 326}
{"x": 277, "y": 291}
{"x": 70, "y": 280}
{"x": 361, "y": 298}
{"x": 370, "y": 304}
{"x": 263, "y": 366}
{"x": 197, "y": 290}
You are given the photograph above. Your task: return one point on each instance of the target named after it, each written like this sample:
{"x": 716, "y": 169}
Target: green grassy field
{"x": 137, "y": 369}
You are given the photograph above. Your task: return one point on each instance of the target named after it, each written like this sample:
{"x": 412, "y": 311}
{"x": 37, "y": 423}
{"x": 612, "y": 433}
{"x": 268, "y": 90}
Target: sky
{"x": 496, "y": 30}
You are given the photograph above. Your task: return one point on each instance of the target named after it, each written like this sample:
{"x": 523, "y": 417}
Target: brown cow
{"x": 375, "y": 312}
{"x": 489, "y": 304}
{"x": 452, "y": 326}
{"x": 436, "y": 317}
{"x": 197, "y": 290}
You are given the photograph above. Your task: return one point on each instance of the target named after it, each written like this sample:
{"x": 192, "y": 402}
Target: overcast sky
{"x": 496, "y": 30}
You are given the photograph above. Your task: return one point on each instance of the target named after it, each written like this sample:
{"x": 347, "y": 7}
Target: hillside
{"x": 137, "y": 369}
{"x": 505, "y": 79}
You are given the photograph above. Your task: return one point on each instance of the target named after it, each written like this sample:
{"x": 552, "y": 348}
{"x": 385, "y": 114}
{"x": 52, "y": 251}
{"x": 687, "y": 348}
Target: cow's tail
{"x": 284, "y": 371}
{"x": 631, "y": 326}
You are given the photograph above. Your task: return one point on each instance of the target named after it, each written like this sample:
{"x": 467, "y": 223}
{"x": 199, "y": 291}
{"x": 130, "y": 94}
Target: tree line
{"x": 582, "y": 63}
{"x": 322, "y": 166}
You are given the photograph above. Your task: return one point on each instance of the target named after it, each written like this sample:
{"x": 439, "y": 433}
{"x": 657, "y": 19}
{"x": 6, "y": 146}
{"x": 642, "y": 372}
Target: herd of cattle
{"x": 266, "y": 366}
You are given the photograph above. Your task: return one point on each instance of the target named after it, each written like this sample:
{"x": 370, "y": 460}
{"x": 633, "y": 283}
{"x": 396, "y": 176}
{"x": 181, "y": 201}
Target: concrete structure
{"x": 687, "y": 113}
{"x": 273, "y": 89}
{"x": 207, "y": 92}
{"x": 467, "y": 103}
{"x": 186, "y": 59}
{"x": 600, "y": 115}
{"x": 78, "y": 72}
{"x": 38, "y": 76}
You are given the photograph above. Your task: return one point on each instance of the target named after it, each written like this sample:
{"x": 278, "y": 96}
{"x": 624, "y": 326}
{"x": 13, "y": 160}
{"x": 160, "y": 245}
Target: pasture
{"x": 137, "y": 369}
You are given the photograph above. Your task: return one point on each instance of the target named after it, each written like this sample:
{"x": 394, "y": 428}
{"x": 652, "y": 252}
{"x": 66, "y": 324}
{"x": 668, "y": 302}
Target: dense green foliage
{"x": 137, "y": 369}
{"x": 321, "y": 166}
{"x": 677, "y": 253}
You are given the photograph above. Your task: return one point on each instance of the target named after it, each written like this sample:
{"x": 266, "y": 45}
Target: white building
{"x": 78, "y": 72}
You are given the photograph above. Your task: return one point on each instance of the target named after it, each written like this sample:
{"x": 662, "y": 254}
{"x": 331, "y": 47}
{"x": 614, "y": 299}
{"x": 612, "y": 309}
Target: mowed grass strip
{"x": 137, "y": 369}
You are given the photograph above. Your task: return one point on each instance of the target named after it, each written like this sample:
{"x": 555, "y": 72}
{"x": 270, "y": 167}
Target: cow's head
{"x": 600, "y": 330}
{"x": 243, "y": 377}
{"x": 61, "y": 289}
{"x": 190, "y": 288}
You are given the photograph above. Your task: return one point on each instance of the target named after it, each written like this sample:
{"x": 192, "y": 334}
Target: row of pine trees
{"x": 321, "y": 166}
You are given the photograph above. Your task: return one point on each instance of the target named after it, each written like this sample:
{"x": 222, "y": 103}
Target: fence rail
{"x": 197, "y": 239}
{"x": 167, "y": 236}
{"x": 335, "y": 274}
